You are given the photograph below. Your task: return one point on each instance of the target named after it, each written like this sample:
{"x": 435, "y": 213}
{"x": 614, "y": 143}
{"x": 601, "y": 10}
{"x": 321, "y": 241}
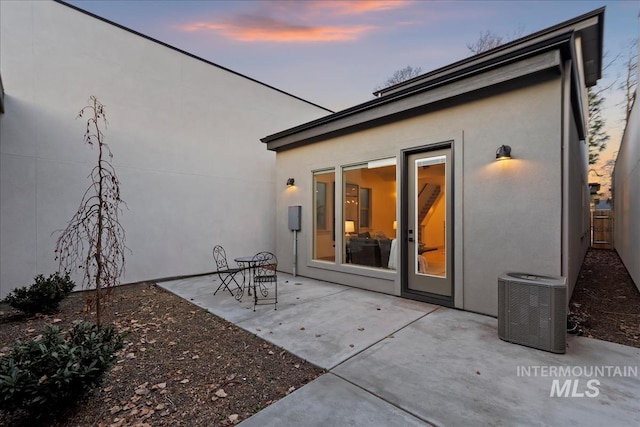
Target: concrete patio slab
{"x": 321, "y": 322}
{"x": 332, "y": 401}
{"x": 291, "y": 291}
{"x": 192, "y": 286}
{"x": 393, "y": 361}
{"x": 329, "y": 330}
{"x": 450, "y": 368}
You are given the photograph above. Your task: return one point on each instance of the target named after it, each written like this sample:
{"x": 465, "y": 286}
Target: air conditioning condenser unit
{"x": 532, "y": 310}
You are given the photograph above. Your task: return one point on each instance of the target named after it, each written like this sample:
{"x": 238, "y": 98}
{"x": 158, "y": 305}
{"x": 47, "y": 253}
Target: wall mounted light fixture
{"x": 290, "y": 182}
{"x": 503, "y": 152}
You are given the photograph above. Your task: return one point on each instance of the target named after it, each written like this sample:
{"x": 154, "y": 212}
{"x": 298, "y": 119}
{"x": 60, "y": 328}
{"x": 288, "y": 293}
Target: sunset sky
{"x": 334, "y": 53}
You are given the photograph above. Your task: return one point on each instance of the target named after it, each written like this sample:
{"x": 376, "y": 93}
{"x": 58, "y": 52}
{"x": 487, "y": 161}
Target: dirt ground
{"x": 605, "y": 301}
{"x": 182, "y": 366}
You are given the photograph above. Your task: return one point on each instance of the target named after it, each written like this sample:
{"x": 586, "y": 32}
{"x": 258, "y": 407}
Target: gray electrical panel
{"x": 295, "y": 217}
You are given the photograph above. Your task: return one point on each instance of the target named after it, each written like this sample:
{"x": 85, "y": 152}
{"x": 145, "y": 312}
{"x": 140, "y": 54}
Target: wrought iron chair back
{"x": 226, "y": 274}
{"x": 265, "y": 271}
{"x": 220, "y": 257}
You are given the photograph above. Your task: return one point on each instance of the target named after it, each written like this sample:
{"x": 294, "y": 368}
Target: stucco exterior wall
{"x": 512, "y": 209}
{"x": 576, "y": 197}
{"x": 577, "y": 213}
{"x": 184, "y": 134}
{"x": 507, "y": 214}
{"x": 626, "y": 197}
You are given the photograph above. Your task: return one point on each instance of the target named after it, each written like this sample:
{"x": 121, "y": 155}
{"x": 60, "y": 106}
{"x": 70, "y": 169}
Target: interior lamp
{"x": 503, "y": 152}
{"x": 349, "y": 227}
{"x": 290, "y": 182}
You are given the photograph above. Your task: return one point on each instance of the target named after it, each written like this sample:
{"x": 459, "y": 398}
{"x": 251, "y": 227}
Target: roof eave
{"x": 563, "y": 26}
{"x": 444, "y": 79}
{"x": 557, "y": 37}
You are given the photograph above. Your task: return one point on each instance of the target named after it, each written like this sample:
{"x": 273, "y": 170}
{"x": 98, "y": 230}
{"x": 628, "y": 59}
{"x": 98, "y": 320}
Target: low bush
{"x": 43, "y": 296}
{"x": 46, "y": 375}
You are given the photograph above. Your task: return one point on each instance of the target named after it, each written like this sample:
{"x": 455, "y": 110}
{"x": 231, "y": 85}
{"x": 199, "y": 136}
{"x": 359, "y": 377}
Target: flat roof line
{"x": 497, "y": 49}
{"x": 555, "y": 37}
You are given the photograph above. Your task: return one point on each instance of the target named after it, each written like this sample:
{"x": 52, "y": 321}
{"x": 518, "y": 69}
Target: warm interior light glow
{"x": 349, "y": 227}
{"x": 381, "y": 163}
{"x": 395, "y": 225}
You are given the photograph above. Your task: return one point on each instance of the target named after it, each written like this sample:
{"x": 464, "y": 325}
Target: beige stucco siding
{"x": 512, "y": 209}
{"x": 185, "y": 135}
{"x": 576, "y": 220}
{"x": 507, "y": 214}
{"x": 626, "y": 197}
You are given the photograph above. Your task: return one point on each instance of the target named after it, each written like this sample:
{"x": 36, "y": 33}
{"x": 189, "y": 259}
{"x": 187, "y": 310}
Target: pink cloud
{"x": 359, "y": 7}
{"x": 298, "y": 22}
{"x": 247, "y": 28}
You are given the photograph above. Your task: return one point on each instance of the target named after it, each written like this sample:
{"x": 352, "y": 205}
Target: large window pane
{"x": 431, "y": 216}
{"x": 324, "y": 216}
{"x": 365, "y": 207}
{"x": 369, "y": 213}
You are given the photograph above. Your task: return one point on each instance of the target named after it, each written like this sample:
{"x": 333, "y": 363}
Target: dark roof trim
{"x": 507, "y": 46}
{"x": 401, "y": 106}
{"x": 185, "y": 53}
{"x": 576, "y": 101}
{"x": 323, "y": 123}
{"x": 488, "y": 65}
{"x": 600, "y": 42}
{"x": 557, "y": 37}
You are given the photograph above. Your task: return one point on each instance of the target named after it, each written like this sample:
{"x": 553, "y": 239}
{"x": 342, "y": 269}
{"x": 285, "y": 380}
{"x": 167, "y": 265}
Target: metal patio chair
{"x": 265, "y": 266}
{"x": 226, "y": 274}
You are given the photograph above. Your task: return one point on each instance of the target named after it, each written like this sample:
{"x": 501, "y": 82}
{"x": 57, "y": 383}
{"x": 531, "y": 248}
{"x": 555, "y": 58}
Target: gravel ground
{"x": 605, "y": 301}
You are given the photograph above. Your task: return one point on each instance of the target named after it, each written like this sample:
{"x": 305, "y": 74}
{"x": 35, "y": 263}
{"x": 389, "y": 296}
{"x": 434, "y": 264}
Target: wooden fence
{"x": 602, "y": 229}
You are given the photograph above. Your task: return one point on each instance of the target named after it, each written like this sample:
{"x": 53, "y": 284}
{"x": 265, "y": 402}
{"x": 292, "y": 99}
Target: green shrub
{"x": 45, "y": 376}
{"x": 43, "y": 296}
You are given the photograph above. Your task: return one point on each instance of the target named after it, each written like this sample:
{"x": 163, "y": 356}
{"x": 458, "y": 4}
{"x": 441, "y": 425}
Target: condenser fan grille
{"x": 532, "y": 310}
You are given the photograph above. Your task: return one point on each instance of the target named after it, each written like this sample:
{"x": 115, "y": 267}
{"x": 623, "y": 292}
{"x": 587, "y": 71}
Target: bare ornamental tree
{"x": 399, "y": 76}
{"x": 94, "y": 239}
{"x": 488, "y": 40}
{"x": 629, "y": 85}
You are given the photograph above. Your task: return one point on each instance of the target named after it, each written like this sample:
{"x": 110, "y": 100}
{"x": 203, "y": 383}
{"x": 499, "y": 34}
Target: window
{"x": 351, "y": 207}
{"x": 324, "y": 215}
{"x": 369, "y": 212}
{"x": 365, "y": 207}
{"x": 321, "y": 205}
